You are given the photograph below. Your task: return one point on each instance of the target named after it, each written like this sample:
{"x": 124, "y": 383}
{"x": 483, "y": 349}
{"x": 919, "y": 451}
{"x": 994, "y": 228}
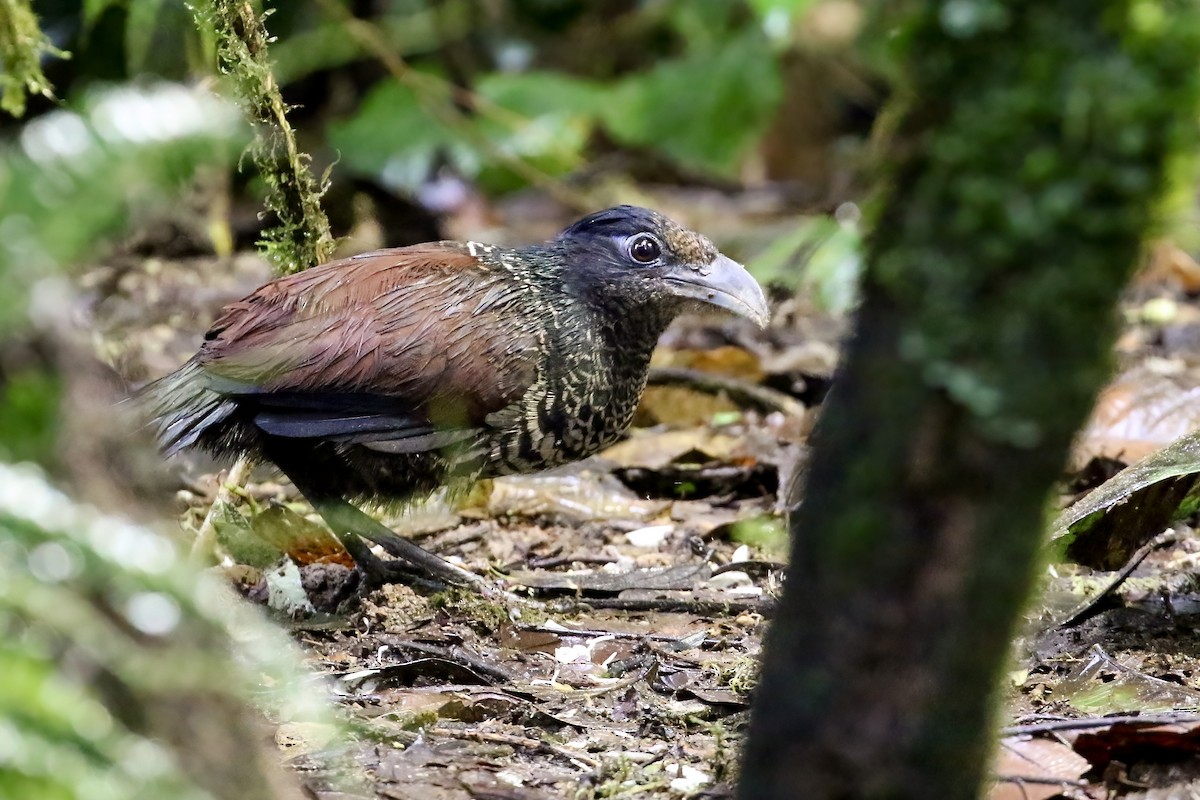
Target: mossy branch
{"x": 22, "y": 47}
{"x": 302, "y": 237}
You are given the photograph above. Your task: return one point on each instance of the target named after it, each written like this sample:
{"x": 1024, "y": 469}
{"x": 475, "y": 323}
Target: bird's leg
{"x": 375, "y": 571}
{"x": 348, "y": 523}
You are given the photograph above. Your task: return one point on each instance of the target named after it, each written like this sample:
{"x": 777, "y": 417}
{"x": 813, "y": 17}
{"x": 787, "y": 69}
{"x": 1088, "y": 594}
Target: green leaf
{"x": 540, "y": 117}
{"x": 768, "y": 534}
{"x": 1110, "y": 523}
{"x": 703, "y": 110}
{"x": 393, "y": 136}
{"x": 544, "y": 118}
{"x": 536, "y": 94}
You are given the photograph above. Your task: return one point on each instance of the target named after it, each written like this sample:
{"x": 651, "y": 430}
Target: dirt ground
{"x": 621, "y": 661}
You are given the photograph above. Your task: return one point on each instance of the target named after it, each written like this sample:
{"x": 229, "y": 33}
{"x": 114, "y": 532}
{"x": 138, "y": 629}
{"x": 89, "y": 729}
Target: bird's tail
{"x": 182, "y": 407}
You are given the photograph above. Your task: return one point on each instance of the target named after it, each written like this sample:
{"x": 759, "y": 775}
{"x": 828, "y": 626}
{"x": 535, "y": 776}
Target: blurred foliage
{"x": 551, "y": 82}
{"x": 120, "y": 680}
{"x": 549, "y": 118}
{"x": 121, "y": 39}
{"x": 150, "y": 22}
{"x": 821, "y": 255}
{"x": 322, "y": 44}
{"x": 29, "y": 415}
{"x": 75, "y": 176}
{"x": 543, "y": 118}
{"x": 707, "y": 130}
{"x": 71, "y": 179}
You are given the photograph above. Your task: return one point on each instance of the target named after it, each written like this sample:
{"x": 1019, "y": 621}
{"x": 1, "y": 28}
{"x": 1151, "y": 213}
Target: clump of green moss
{"x": 740, "y": 676}
{"x": 485, "y": 615}
{"x": 22, "y": 47}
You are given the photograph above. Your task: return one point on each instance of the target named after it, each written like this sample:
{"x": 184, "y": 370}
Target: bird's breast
{"x": 580, "y": 403}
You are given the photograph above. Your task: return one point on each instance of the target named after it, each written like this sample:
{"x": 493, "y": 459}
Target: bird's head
{"x": 642, "y": 260}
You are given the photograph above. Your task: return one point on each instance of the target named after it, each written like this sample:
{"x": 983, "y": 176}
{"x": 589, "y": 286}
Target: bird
{"x": 383, "y": 377}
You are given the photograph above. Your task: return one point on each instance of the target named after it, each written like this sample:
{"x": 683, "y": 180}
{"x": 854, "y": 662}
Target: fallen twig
{"x": 522, "y": 742}
{"x": 1085, "y": 608}
{"x": 744, "y": 393}
{"x": 1055, "y": 725}
{"x": 206, "y": 538}
{"x": 715, "y": 608}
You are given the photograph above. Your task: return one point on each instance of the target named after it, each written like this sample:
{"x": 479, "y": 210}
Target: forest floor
{"x": 640, "y": 582}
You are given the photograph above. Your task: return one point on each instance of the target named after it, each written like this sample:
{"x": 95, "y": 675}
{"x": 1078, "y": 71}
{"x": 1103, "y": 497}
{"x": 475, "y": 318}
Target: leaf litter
{"x": 646, "y": 576}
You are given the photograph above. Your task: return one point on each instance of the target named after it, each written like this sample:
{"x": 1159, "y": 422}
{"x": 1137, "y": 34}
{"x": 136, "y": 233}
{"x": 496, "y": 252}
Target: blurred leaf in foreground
{"x": 122, "y": 678}
{"x": 76, "y": 176}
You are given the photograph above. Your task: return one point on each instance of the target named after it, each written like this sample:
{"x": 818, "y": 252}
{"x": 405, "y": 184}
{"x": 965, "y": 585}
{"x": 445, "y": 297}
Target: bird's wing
{"x": 404, "y": 350}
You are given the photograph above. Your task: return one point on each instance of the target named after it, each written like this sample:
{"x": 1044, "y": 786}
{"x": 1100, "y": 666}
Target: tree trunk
{"x": 1026, "y": 166}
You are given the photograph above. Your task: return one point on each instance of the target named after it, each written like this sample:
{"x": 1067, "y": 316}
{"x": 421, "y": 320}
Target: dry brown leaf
{"x": 305, "y": 541}
{"x": 1043, "y": 759}
{"x": 1169, "y": 263}
{"x": 1125, "y": 741}
{"x": 580, "y": 496}
{"x": 678, "y": 405}
{"x": 734, "y": 362}
{"x": 656, "y": 450}
{"x": 1139, "y": 413}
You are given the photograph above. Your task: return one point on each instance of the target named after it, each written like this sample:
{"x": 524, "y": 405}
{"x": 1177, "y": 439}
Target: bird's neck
{"x": 602, "y": 365}
{"x": 588, "y": 385}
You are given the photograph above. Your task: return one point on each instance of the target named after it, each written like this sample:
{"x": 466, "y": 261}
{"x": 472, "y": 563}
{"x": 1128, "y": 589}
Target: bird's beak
{"x": 723, "y": 283}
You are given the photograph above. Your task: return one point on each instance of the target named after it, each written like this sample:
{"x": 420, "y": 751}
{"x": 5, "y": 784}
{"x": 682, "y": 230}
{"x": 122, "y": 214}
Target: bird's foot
{"x": 375, "y": 571}
{"x": 350, "y": 523}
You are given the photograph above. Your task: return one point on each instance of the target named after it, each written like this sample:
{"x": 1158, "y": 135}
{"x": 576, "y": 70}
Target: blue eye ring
{"x": 644, "y": 249}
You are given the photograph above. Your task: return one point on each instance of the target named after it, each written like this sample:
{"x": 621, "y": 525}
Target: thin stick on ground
{"x": 206, "y": 538}
{"x": 1089, "y": 606}
{"x": 302, "y": 237}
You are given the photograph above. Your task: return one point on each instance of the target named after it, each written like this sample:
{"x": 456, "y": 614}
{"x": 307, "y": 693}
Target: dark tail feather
{"x": 182, "y": 407}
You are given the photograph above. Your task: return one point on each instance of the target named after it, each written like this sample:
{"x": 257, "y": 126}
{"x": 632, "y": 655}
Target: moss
{"x": 301, "y": 238}
{"x": 22, "y": 48}
{"x": 1035, "y": 151}
{"x": 621, "y": 778}
{"x": 740, "y": 676}
{"x": 1041, "y": 155}
{"x": 485, "y": 616}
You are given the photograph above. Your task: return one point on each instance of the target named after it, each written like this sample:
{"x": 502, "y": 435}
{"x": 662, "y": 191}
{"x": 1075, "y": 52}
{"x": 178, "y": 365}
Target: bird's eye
{"x": 645, "y": 249}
